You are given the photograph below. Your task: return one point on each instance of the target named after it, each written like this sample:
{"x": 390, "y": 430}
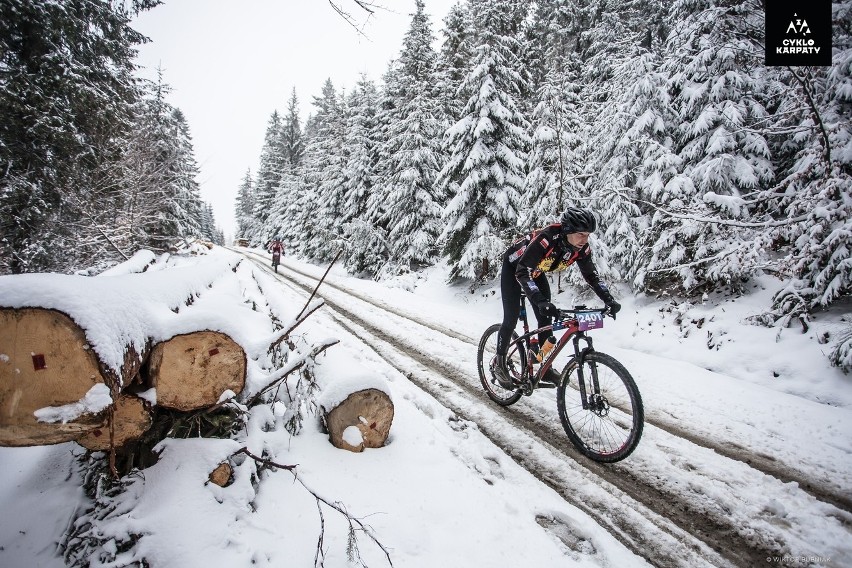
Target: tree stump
{"x": 361, "y": 421}
{"x": 132, "y": 418}
{"x": 191, "y": 371}
{"x": 45, "y": 360}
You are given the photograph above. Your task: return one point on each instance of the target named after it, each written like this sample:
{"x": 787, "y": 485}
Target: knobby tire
{"x": 516, "y": 362}
{"x": 612, "y": 431}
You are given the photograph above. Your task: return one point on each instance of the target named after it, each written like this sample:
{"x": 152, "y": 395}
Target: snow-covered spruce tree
{"x": 244, "y": 208}
{"x": 159, "y": 202}
{"x": 286, "y": 202}
{"x": 613, "y": 50}
{"x": 285, "y": 208}
{"x": 515, "y": 16}
{"x": 291, "y": 134}
{"x": 63, "y": 111}
{"x": 411, "y": 204}
{"x": 318, "y": 207}
{"x": 273, "y": 164}
{"x": 208, "y": 229}
{"x": 487, "y": 151}
{"x": 634, "y": 162}
{"x": 184, "y": 206}
{"x": 552, "y": 37}
{"x": 454, "y": 60}
{"x": 554, "y": 177}
{"x": 841, "y": 351}
{"x": 365, "y": 250}
{"x": 715, "y": 65}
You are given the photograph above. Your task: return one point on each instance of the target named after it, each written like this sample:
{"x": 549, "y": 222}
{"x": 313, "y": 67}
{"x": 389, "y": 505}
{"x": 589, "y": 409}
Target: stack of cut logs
{"x": 47, "y": 362}
{"x": 48, "y": 366}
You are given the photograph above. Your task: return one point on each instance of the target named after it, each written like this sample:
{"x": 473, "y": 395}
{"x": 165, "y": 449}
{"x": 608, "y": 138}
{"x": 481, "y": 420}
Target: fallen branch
{"x": 320, "y": 282}
{"x": 263, "y": 460}
{"x": 283, "y": 335}
{"x": 284, "y": 374}
{"x": 350, "y": 519}
{"x": 353, "y": 521}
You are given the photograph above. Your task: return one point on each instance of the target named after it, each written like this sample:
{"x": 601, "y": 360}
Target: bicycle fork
{"x": 580, "y": 358}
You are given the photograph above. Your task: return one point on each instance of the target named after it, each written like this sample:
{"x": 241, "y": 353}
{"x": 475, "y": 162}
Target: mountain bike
{"x": 598, "y": 402}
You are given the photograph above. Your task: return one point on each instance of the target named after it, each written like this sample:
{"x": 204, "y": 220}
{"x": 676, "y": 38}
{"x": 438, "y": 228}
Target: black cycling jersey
{"x": 547, "y": 250}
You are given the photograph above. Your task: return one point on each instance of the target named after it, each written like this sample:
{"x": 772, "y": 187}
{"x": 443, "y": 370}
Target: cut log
{"x": 45, "y": 361}
{"x": 191, "y": 371}
{"x": 362, "y": 420}
{"x": 132, "y": 418}
{"x": 221, "y": 476}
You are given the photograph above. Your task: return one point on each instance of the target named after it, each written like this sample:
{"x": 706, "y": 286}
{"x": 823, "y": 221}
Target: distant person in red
{"x": 276, "y": 247}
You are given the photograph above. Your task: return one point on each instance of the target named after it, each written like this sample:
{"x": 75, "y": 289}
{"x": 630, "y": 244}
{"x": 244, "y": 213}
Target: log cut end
{"x": 221, "y": 476}
{"x": 191, "y": 371}
{"x": 130, "y": 418}
{"x": 361, "y": 421}
{"x": 45, "y": 360}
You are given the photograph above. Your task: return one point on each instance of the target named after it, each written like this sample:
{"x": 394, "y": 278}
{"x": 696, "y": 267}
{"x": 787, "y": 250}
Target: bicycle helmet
{"x": 576, "y": 220}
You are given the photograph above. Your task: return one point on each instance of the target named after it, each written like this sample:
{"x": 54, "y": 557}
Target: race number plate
{"x": 589, "y": 320}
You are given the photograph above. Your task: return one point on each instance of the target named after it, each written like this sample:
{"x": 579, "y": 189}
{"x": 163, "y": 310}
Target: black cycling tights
{"x": 510, "y": 290}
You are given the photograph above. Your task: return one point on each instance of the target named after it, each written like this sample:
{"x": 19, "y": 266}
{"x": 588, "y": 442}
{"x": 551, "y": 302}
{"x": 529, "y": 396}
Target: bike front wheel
{"x": 608, "y": 429}
{"x": 486, "y": 357}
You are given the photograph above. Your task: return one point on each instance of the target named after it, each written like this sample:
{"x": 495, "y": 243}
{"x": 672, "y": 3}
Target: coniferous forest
{"x": 706, "y": 167}
{"x": 94, "y": 163}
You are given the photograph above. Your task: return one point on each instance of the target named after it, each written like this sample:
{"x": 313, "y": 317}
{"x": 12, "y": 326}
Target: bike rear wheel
{"x": 515, "y": 361}
{"x": 610, "y": 428}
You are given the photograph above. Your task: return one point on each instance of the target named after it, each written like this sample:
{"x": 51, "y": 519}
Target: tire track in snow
{"x": 649, "y": 535}
{"x": 671, "y": 508}
{"x": 654, "y": 524}
{"x": 763, "y": 463}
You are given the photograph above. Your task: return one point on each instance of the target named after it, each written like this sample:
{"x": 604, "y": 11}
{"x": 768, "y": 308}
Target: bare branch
{"x": 284, "y": 334}
{"x": 352, "y": 520}
{"x": 807, "y": 88}
{"x": 264, "y": 461}
{"x": 365, "y": 5}
{"x": 320, "y": 282}
{"x": 716, "y": 220}
{"x": 319, "y": 557}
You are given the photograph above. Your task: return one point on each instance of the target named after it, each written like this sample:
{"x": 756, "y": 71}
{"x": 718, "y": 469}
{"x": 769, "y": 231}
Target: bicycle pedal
{"x": 545, "y": 385}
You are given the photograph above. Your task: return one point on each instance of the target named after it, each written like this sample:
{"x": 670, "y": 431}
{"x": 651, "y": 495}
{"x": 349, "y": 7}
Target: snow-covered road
{"x": 715, "y": 480}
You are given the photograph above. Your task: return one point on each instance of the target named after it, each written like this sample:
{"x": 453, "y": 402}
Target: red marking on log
{"x": 38, "y": 362}
{"x": 213, "y": 351}
{"x": 373, "y": 426}
{"x": 97, "y": 433}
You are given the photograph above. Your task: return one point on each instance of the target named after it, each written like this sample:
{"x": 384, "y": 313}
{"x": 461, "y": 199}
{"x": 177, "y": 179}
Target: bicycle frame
{"x": 572, "y": 331}
{"x": 604, "y": 385}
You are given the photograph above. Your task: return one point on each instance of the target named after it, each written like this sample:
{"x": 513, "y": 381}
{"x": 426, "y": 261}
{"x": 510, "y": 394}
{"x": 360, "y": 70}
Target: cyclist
{"x": 553, "y": 248}
{"x": 276, "y": 246}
